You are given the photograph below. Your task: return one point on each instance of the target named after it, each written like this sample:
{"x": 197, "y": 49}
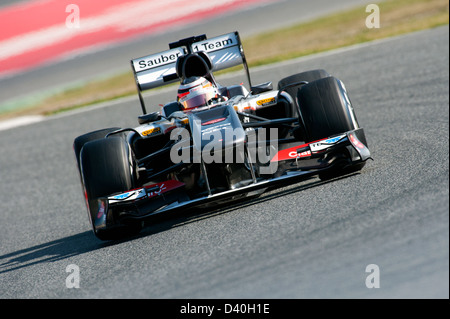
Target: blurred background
{"x": 48, "y": 46}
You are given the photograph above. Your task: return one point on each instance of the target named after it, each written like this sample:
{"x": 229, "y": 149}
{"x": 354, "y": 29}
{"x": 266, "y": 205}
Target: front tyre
{"x": 107, "y": 167}
{"x": 79, "y": 142}
{"x": 326, "y": 110}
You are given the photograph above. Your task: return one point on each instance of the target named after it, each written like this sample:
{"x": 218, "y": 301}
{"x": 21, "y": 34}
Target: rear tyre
{"x": 107, "y": 167}
{"x": 326, "y": 110}
{"x": 291, "y": 85}
{"x": 307, "y": 76}
{"x": 288, "y": 84}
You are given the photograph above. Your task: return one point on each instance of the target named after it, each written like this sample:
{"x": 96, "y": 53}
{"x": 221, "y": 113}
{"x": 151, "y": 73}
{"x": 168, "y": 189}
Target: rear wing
{"x": 159, "y": 69}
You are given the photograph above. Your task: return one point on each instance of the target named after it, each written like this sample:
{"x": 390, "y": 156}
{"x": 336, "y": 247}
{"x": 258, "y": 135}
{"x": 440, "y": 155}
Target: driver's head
{"x": 196, "y": 91}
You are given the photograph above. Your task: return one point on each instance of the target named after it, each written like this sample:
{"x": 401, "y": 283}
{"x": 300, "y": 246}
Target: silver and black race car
{"x": 215, "y": 144}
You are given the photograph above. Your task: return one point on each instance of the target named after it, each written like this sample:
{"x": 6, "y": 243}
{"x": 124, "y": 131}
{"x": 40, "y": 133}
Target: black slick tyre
{"x": 307, "y": 76}
{"x": 291, "y": 85}
{"x": 326, "y": 110}
{"x": 83, "y": 139}
{"x": 107, "y": 167}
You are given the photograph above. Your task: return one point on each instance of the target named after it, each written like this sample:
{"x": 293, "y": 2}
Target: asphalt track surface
{"x": 309, "y": 240}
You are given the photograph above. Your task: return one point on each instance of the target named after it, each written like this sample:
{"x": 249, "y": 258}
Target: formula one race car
{"x": 215, "y": 144}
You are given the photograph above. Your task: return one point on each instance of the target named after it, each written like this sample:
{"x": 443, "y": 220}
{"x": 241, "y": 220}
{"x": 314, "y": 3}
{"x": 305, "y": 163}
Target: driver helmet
{"x": 196, "y": 91}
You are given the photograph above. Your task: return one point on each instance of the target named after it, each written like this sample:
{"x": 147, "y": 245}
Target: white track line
{"x": 20, "y": 121}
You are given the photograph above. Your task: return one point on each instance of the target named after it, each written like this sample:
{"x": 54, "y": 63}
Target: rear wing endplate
{"x": 159, "y": 69}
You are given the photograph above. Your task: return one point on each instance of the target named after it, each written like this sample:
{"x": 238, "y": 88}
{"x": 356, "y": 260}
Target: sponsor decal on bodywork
{"x": 354, "y": 140}
{"x": 214, "y": 121}
{"x": 218, "y": 43}
{"x": 307, "y": 150}
{"x": 158, "y": 59}
{"x": 266, "y": 102}
{"x": 152, "y": 131}
{"x": 146, "y": 192}
{"x": 292, "y": 153}
{"x": 324, "y": 144}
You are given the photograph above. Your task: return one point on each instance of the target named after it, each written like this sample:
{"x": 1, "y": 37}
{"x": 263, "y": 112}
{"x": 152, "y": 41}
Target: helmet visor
{"x": 197, "y": 97}
{"x": 196, "y": 101}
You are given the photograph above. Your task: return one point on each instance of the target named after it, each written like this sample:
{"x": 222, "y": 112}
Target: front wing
{"x": 296, "y": 164}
